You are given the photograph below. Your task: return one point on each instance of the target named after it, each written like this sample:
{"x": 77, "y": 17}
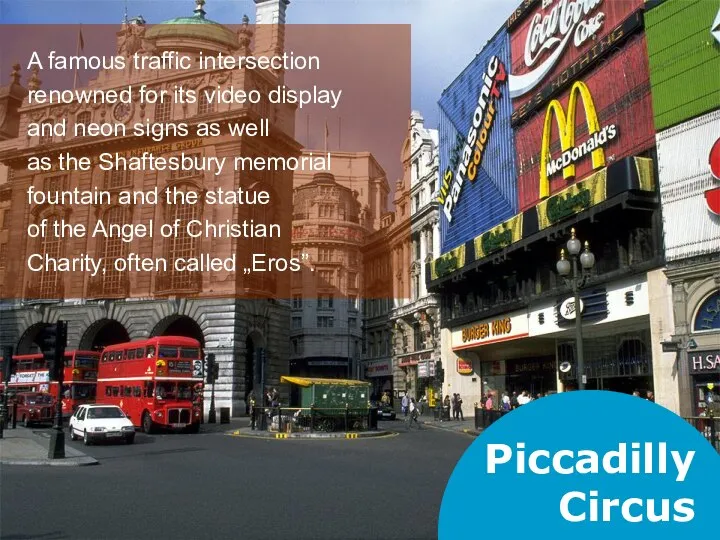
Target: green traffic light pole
{"x": 57, "y": 437}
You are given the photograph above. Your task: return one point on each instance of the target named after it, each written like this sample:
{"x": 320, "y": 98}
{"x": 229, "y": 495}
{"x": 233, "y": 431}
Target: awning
{"x": 309, "y": 381}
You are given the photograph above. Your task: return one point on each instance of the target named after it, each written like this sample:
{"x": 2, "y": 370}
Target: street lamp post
{"x": 576, "y": 272}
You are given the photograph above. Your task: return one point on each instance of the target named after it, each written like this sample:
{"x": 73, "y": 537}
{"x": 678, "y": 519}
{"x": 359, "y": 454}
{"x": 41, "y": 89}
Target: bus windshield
{"x": 39, "y": 399}
{"x": 86, "y": 362}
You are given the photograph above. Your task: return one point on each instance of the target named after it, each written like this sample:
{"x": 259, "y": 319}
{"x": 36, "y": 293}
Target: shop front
{"x": 415, "y": 370}
{"x": 379, "y": 374}
{"x": 704, "y": 368}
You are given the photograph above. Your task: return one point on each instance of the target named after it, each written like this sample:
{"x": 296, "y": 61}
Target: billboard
{"x": 554, "y": 41}
{"x": 689, "y": 158}
{"x": 477, "y": 155}
{"x": 600, "y": 119}
{"x": 683, "y": 39}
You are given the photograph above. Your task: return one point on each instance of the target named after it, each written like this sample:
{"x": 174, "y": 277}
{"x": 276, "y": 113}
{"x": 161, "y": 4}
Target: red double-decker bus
{"x": 80, "y": 377}
{"x": 157, "y": 382}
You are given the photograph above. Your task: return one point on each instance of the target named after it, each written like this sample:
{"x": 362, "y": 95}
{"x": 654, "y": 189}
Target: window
{"x": 113, "y": 248}
{"x": 432, "y": 187}
{"x": 417, "y": 203}
{"x": 205, "y": 106}
{"x": 296, "y": 322}
{"x": 117, "y": 178}
{"x": 417, "y": 334}
{"x": 325, "y": 255}
{"x": 352, "y": 280}
{"x": 46, "y": 132}
{"x": 352, "y": 322}
{"x": 51, "y": 247}
{"x": 196, "y": 157}
{"x": 352, "y": 302}
{"x": 3, "y": 219}
{"x": 163, "y": 111}
{"x": 325, "y": 301}
{"x": 297, "y": 301}
{"x": 326, "y": 211}
{"x": 324, "y": 321}
{"x": 294, "y": 343}
{"x": 352, "y": 259}
{"x": 55, "y": 183}
{"x": 82, "y": 119}
{"x": 3, "y": 256}
{"x": 416, "y": 286}
{"x": 327, "y": 278}
{"x": 417, "y": 247}
{"x": 181, "y": 246}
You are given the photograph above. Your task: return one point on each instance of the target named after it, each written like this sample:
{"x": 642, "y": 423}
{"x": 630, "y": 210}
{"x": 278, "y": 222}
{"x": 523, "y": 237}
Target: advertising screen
{"x": 683, "y": 53}
{"x": 599, "y": 120}
{"x": 477, "y": 155}
{"x": 558, "y": 36}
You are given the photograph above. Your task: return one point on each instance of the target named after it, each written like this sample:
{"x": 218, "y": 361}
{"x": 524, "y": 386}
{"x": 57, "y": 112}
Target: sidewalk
{"x": 461, "y": 426}
{"x": 22, "y": 446}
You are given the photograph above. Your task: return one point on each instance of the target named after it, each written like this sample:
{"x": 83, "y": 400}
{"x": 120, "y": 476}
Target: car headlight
{"x": 128, "y": 428}
{"x": 98, "y": 429}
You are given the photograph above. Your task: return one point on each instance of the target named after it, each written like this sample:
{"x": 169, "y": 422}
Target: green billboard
{"x": 684, "y": 57}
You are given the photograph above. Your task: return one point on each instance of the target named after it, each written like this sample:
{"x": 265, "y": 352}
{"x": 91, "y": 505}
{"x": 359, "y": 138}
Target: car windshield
{"x": 105, "y": 412}
{"x": 39, "y": 400}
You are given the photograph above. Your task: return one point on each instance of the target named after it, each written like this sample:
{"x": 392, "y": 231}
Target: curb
{"x": 65, "y": 462}
{"x": 464, "y": 431}
{"x": 342, "y": 436}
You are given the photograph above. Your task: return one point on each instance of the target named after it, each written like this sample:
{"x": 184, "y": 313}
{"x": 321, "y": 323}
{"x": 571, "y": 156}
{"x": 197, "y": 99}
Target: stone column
{"x": 394, "y": 276}
{"x": 436, "y": 239}
{"x": 423, "y": 253}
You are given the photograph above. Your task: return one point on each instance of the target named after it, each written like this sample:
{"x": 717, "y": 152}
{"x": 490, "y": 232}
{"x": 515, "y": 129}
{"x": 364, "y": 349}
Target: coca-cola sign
{"x": 551, "y": 38}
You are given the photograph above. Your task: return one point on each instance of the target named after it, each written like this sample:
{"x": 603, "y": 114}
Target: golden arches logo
{"x": 566, "y": 129}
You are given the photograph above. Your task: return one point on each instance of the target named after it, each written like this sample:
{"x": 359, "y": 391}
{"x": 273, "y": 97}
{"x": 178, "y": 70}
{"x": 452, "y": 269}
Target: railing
{"x": 314, "y": 419}
{"x": 709, "y": 427}
{"x": 484, "y": 418}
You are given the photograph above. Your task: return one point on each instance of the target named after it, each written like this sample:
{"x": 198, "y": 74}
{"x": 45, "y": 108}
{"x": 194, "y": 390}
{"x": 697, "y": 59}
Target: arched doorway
{"x": 179, "y": 325}
{"x": 27, "y": 344}
{"x": 103, "y": 333}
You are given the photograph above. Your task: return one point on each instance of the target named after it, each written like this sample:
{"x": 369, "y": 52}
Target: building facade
{"x": 414, "y": 240}
{"x": 330, "y": 228}
{"x": 527, "y": 156}
{"x": 117, "y": 307}
{"x": 682, "y": 50}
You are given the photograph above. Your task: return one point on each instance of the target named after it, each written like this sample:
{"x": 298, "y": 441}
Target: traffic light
{"x": 212, "y": 368}
{"x": 439, "y": 372}
{"x": 8, "y": 367}
{"x": 52, "y": 341}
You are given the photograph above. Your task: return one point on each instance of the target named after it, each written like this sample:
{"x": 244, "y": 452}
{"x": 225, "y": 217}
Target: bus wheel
{"x": 147, "y": 423}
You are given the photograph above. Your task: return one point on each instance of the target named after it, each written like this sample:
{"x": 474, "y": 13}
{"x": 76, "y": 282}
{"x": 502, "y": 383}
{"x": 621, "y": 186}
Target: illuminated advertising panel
{"x": 477, "y": 155}
{"x": 684, "y": 48}
{"x": 600, "y": 119}
{"x": 555, "y": 40}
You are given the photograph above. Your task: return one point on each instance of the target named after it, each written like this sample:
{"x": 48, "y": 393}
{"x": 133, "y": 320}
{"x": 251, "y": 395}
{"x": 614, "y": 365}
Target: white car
{"x": 101, "y": 423}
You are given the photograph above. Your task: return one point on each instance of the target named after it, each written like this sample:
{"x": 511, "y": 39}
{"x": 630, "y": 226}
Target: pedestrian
{"x": 459, "y": 408}
{"x": 514, "y": 402}
{"x": 524, "y": 398}
{"x": 489, "y": 403}
{"x": 453, "y": 403}
{"x": 506, "y": 405}
{"x": 414, "y": 413}
{"x": 251, "y": 409}
{"x": 650, "y": 396}
{"x": 385, "y": 399}
{"x": 404, "y": 404}
{"x": 446, "y": 407}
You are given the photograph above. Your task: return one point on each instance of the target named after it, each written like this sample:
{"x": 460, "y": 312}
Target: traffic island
{"x": 248, "y": 432}
{"x": 21, "y": 446}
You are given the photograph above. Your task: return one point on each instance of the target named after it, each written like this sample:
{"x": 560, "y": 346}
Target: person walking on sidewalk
{"x": 458, "y": 401}
{"x": 404, "y": 404}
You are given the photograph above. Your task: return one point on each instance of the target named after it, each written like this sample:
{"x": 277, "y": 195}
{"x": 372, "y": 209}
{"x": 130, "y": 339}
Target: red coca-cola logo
{"x": 712, "y": 196}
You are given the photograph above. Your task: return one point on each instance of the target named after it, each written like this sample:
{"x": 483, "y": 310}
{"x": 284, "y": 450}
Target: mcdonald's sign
{"x": 566, "y": 124}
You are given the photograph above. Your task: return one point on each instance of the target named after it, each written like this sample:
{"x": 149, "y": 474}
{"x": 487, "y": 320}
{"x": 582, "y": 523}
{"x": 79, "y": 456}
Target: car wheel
{"x": 73, "y": 437}
{"x": 147, "y": 423}
{"x": 86, "y": 438}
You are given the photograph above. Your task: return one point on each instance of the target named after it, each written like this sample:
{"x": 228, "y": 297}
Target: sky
{"x": 446, "y": 34}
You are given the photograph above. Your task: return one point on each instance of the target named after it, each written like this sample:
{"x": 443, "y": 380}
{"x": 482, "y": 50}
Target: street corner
{"x": 255, "y": 434}
{"x": 26, "y": 450}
